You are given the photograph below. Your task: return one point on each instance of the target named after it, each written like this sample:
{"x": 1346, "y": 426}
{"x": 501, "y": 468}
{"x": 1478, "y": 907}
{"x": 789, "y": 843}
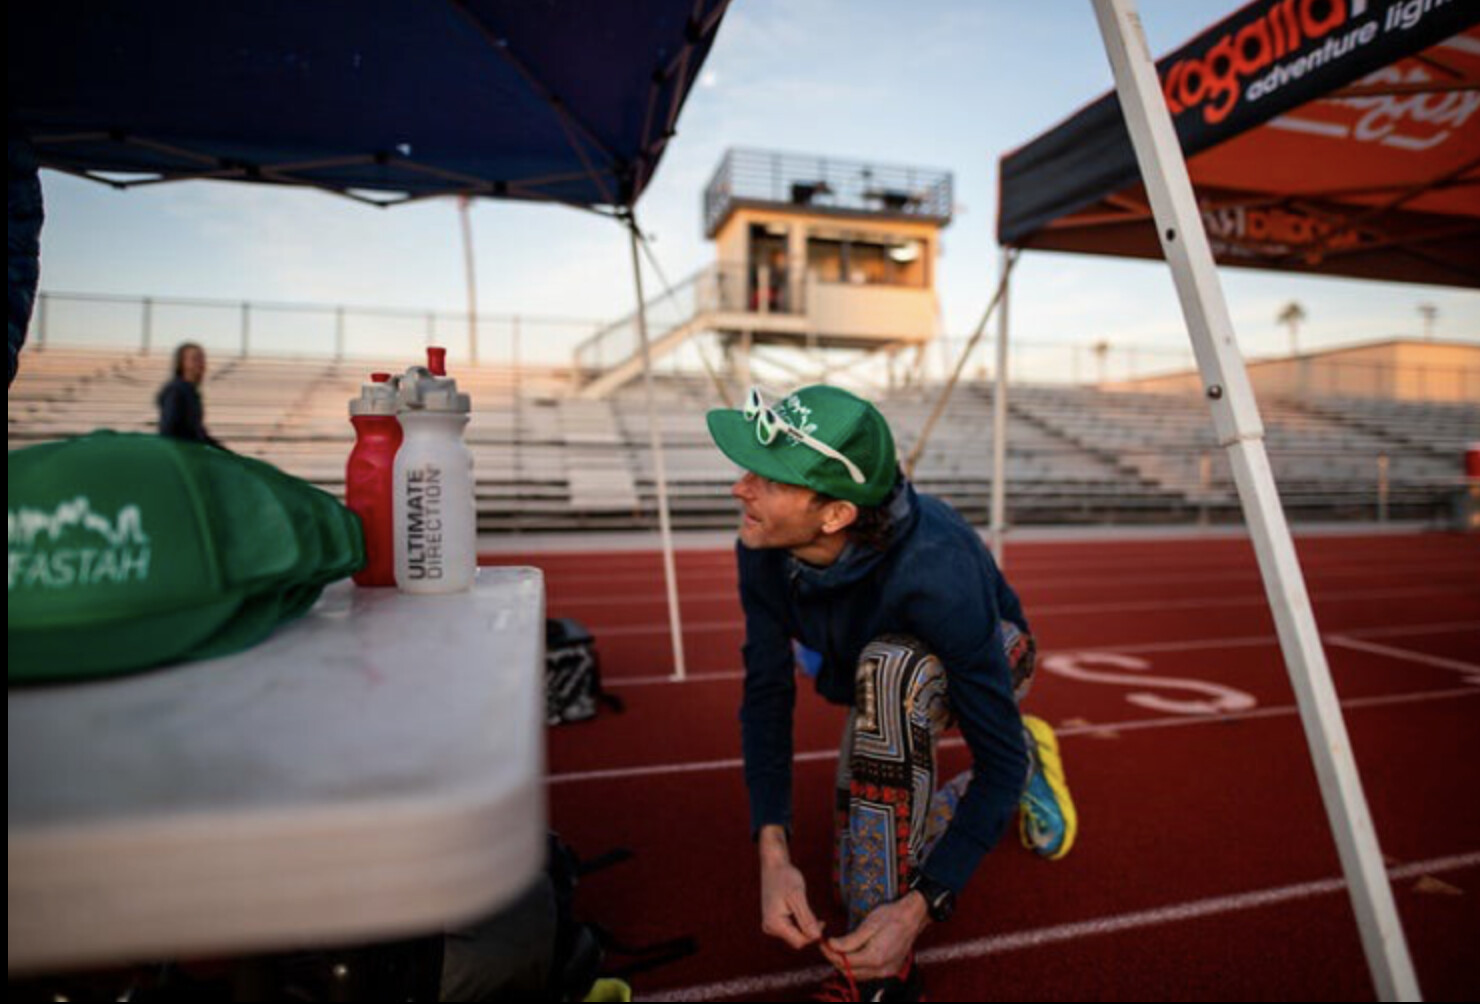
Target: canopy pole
{"x": 999, "y": 426}
{"x": 660, "y": 470}
{"x": 463, "y": 211}
{"x": 1240, "y": 430}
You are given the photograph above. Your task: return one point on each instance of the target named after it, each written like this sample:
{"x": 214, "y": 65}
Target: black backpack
{"x": 584, "y": 950}
{"x": 573, "y": 691}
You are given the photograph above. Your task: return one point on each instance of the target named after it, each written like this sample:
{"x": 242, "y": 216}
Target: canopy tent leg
{"x": 660, "y": 470}
{"x": 464, "y": 204}
{"x": 1240, "y": 430}
{"x": 999, "y": 425}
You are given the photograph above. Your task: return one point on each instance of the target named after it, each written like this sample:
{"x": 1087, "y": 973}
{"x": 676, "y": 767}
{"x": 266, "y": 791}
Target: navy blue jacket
{"x": 181, "y": 413}
{"x": 937, "y": 582}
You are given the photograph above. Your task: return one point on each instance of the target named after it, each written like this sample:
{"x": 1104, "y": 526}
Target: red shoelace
{"x": 841, "y": 986}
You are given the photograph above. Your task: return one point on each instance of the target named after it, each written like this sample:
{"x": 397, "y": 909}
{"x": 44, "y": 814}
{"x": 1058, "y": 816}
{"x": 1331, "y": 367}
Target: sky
{"x": 945, "y": 84}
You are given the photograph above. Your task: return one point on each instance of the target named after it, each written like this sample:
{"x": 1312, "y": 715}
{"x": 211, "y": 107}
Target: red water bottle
{"x": 369, "y": 474}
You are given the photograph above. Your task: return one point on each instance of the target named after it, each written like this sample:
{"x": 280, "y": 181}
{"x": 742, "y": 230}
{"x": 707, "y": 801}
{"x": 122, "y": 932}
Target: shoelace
{"x": 841, "y": 986}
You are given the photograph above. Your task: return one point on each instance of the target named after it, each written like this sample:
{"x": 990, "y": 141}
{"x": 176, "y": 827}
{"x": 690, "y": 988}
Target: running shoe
{"x": 1047, "y": 818}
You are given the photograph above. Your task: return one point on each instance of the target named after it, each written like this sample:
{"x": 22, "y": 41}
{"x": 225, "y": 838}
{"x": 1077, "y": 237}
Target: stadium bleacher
{"x": 546, "y": 460}
{"x": 1325, "y": 459}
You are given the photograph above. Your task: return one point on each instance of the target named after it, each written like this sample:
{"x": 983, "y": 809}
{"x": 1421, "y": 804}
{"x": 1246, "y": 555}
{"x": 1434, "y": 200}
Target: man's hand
{"x": 785, "y": 913}
{"x": 877, "y": 948}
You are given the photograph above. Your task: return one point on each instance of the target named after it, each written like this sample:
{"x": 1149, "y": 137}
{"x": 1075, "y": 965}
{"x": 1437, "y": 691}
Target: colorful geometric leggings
{"x": 889, "y": 812}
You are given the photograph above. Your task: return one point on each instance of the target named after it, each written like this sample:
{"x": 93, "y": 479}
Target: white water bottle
{"x": 434, "y": 512}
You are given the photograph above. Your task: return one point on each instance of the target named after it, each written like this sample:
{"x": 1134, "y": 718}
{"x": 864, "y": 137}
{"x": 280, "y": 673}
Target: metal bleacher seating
{"x": 1324, "y": 461}
{"x": 547, "y": 460}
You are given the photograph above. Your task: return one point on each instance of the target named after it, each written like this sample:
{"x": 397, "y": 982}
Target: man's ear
{"x": 840, "y": 515}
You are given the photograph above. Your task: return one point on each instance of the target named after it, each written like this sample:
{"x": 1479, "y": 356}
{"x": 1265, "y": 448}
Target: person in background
{"x": 181, "y": 412}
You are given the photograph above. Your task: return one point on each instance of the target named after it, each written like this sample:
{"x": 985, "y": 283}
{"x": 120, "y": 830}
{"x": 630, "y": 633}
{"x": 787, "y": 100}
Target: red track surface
{"x": 1204, "y": 867}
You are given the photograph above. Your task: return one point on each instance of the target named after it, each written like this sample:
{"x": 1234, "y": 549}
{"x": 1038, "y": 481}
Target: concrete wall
{"x": 1400, "y": 370}
{"x": 888, "y": 313}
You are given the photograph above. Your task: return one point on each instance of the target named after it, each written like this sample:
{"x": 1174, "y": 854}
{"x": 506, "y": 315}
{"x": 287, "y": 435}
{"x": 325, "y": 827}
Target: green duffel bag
{"x": 128, "y": 551}
{"x": 333, "y": 545}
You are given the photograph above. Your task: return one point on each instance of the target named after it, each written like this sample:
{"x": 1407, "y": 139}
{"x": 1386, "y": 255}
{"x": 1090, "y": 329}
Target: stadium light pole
{"x": 1240, "y": 430}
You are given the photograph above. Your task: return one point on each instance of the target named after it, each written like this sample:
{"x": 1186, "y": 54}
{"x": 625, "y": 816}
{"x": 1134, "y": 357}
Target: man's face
{"x": 776, "y": 514}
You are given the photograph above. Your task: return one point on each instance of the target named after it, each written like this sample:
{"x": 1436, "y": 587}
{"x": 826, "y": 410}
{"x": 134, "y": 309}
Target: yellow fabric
{"x": 609, "y": 990}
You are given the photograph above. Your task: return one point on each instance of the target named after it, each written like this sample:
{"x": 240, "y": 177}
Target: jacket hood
{"x": 857, "y": 561}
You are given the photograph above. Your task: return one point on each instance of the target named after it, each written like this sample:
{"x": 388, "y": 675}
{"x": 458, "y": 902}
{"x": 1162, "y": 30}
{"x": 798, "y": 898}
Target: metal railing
{"x": 826, "y": 183}
{"x": 1328, "y": 376}
{"x": 718, "y": 289}
{"x": 1160, "y": 368}
{"x": 1195, "y": 480}
{"x": 247, "y": 328}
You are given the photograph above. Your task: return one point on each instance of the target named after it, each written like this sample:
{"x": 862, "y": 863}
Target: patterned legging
{"x": 889, "y": 811}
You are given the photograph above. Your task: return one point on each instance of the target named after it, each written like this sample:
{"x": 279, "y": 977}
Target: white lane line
{"x": 715, "y": 676}
{"x": 1090, "y": 728}
{"x": 1063, "y": 580}
{"x": 1177, "y": 913}
{"x": 1241, "y": 641}
{"x": 1472, "y": 670}
{"x": 1050, "y": 609}
{"x": 1402, "y": 630}
{"x": 722, "y": 565}
{"x": 1274, "y": 711}
{"x": 689, "y": 627}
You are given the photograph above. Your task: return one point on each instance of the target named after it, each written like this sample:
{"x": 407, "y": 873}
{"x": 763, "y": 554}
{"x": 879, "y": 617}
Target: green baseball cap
{"x": 820, "y": 437}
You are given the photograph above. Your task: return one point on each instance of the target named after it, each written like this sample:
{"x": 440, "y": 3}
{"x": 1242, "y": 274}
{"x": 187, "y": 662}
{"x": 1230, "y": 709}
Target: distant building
{"x": 812, "y": 252}
{"x": 848, "y": 248}
{"x": 1403, "y": 369}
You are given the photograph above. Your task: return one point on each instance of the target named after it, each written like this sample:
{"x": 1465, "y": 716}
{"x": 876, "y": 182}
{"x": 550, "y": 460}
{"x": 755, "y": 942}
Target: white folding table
{"x": 374, "y": 770}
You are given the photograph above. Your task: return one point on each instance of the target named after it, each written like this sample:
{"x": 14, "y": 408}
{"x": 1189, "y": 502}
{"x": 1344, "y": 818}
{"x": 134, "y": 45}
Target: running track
{"x": 1204, "y": 868}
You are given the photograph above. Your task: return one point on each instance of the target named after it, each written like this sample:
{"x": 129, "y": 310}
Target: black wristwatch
{"x": 940, "y": 900}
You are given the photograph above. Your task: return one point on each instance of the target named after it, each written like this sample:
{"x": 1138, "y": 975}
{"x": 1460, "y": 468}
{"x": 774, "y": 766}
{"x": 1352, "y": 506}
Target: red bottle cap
{"x": 380, "y": 377}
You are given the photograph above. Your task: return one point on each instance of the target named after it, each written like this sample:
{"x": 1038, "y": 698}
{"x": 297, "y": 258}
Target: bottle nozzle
{"x": 437, "y": 360}
{"x": 378, "y": 397}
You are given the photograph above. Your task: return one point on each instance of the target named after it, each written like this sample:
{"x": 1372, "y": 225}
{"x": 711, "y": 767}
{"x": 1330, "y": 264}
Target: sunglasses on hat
{"x": 768, "y": 425}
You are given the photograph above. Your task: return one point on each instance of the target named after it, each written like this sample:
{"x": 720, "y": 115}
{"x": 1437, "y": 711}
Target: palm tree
{"x": 1292, "y": 316}
{"x": 1428, "y": 312}
{"x": 1102, "y": 352}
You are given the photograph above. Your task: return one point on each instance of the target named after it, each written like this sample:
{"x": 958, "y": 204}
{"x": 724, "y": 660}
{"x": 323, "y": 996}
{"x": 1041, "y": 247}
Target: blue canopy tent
{"x": 384, "y": 101}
